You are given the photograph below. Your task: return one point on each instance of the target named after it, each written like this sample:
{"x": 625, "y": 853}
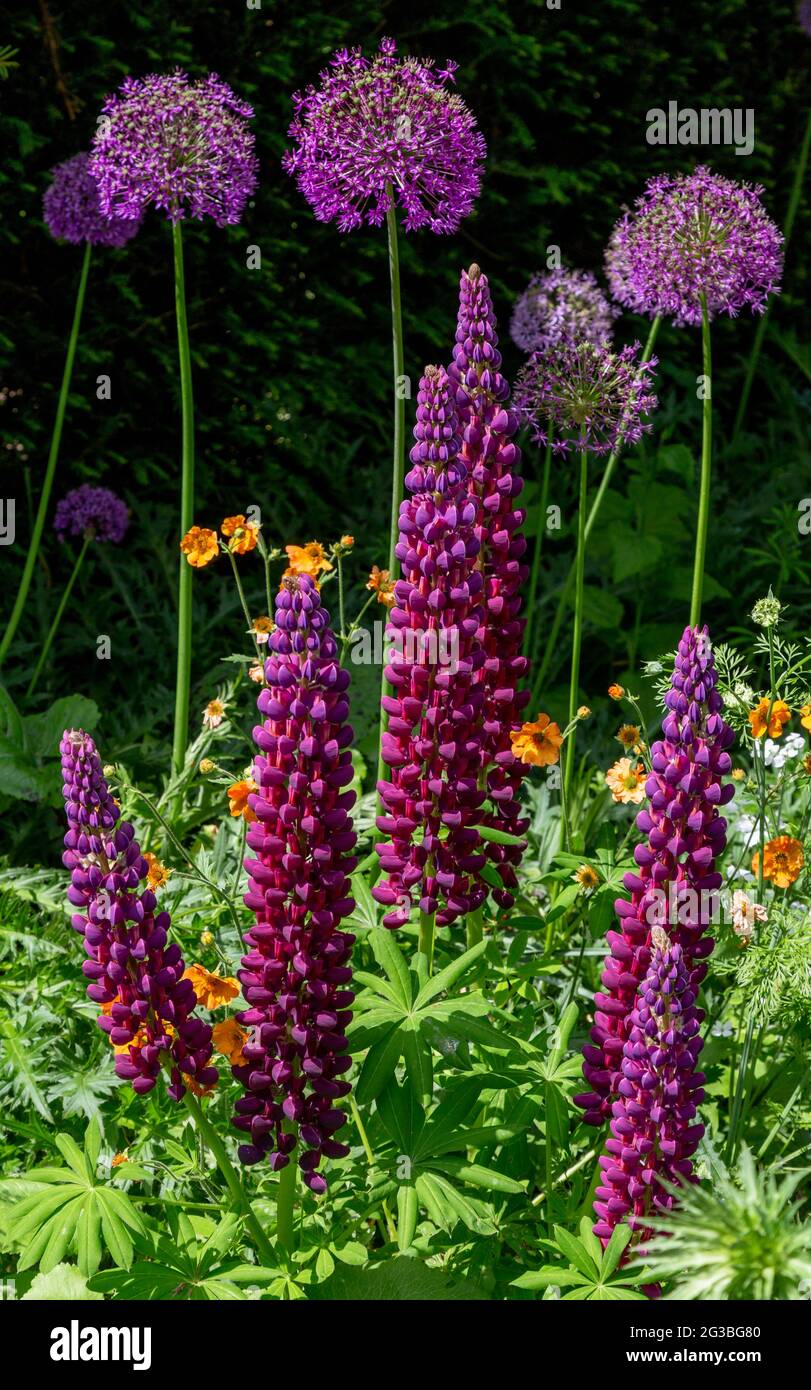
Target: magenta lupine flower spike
{"x": 694, "y": 235}
{"x": 72, "y": 211}
{"x": 385, "y": 131}
{"x": 434, "y": 740}
{"x": 653, "y": 1129}
{"x": 492, "y": 460}
{"x": 134, "y": 973}
{"x": 592, "y": 398}
{"x": 182, "y": 146}
{"x": 92, "y": 510}
{"x": 296, "y": 974}
{"x": 562, "y": 306}
{"x": 676, "y": 882}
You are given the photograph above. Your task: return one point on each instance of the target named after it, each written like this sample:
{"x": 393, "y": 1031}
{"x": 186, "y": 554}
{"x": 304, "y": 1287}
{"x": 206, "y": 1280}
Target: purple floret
{"x": 562, "y": 306}
{"x": 72, "y": 210}
{"x": 94, "y": 511}
{"x": 591, "y": 398}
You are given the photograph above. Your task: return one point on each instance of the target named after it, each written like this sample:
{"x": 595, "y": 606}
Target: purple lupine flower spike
{"x": 183, "y": 147}
{"x": 492, "y": 460}
{"x": 134, "y": 973}
{"x": 694, "y": 235}
{"x": 434, "y": 740}
{"x": 296, "y": 974}
{"x": 562, "y": 306}
{"x": 385, "y": 131}
{"x": 92, "y": 510}
{"x": 676, "y": 882}
{"x": 653, "y": 1130}
{"x": 72, "y": 211}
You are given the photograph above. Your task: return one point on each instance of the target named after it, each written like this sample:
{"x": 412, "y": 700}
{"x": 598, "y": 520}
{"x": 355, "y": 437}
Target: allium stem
{"x": 398, "y": 461}
{"x": 577, "y": 634}
{"x": 529, "y": 639}
{"x": 554, "y": 631}
{"x": 53, "y": 455}
{"x": 184, "y": 599}
{"x": 232, "y": 1179}
{"x": 706, "y": 468}
{"x": 46, "y": 646}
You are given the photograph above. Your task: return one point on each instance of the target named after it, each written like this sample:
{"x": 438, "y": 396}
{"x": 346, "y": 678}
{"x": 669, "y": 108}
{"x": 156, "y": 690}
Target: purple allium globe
{"x": 72, "y": 212}
{"x": 692, "y": 236}
{"x": 593, "y": 399}
{"x": 94, "y": 511}
{"x": 183, "y": 146}
{"x": 383, "y": 129}
{"x": 562, "y": 306}
{"x": 804, "y": 16}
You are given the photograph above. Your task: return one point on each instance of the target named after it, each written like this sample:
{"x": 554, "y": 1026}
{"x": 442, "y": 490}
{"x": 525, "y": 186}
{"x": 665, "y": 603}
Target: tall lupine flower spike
{"x": 182, "y": 146}
{"x": 135, "y": 974}
{"x": 434, "y": 740}
{"x": 676, "y": 876}
{"x": 296, "y": 973}
{"x": 492, "y": 460}
{"x": 385, "y": 131}
{"x": 694, "y": 236}
{"x": 72, "y": 211}
{"x": 562, "y": 306}
{"x": 653, "y": 1129}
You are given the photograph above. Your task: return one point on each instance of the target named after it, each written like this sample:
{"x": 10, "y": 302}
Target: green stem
{"x": 285, "y": 1206}
{"x": 46, "y": 647}
{"x": 788, "y": 227}
{"x": 53, "y": 455}
{"x": 426, "y": 937}
{"x": 706, "y": 469}
{"x": 557, "y": 623}
{"x": 577, "y": 635}
{"x": 232, "y": 1180}
{"x": 183, "y": 677}
{"x": 340, "y": 564}
{"x": 474, "y": 928}
{"x": 244, "y": 603}
{"x": 398, "y": 461}
{"x": 532, "y": 599}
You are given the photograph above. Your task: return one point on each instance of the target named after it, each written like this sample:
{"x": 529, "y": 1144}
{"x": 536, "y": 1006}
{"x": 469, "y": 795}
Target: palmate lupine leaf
{"x": 593, "y": 1275}
{"x": 20, "y": 1058}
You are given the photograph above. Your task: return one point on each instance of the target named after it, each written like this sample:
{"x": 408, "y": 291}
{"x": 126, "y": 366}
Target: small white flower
{"x": 776, "y": 755}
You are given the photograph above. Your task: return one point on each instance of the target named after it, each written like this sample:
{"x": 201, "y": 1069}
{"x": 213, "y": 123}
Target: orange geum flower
{"x": 242, "y": 535}
{"x": 229, "y": 1040}
{"x": 783, "y": 861}
{"x": 157, "y": 876}
{"x": 307, "y": 559}
{"x": 238, "y": 795}
{"x": 212, "y": 991}
{"x": 616, "y": 692}
{"x": 805, "y": 717}
{"x": 537, "y": 743}
{"x": 262, "y": 628}
{"x": 379, "y": 582}
{"x": 629, "y": 736}
{"x": 626, "y": 781}
{"x": 118, "y": 1159}
{"x": 200, "y": 546}
{"x": 346, "y": 542}
{"x": 771, "y": 716}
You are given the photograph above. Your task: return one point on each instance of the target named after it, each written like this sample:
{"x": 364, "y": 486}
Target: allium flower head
{"x": 694, "y": 235}
{"x": 593, "y": 399}
{"x": 296, "y": 973}
{"x": 72, "y": 210}
{"x": 804, "y": 16}
{"x": 135, "y": 975}
{"x": 183, "y": 146}
{"x": 94, "y": 511}
{"x": 382, "y": 129}
{"x": 562, "y": 306}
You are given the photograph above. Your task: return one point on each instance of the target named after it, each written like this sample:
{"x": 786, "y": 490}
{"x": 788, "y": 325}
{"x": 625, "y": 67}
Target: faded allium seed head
{"x": 296, "y": 973}
{"x": 94, "y": 511}
{"x": 72, "y": 211}
{"x": 694, "y": 235}
{"x": 134, "y": 973}
{"x": 385, "y": 129}
{"x": 590, "y": 398}
{"x": 562, "y": 306}
{"x": 182, "y": 146}
{"x": 675, "y": 879}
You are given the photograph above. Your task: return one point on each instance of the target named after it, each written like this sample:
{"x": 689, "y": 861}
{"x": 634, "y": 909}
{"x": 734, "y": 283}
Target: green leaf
{"x": 600, "y": 608}
{"x": 499, "y": 837}
{"x": 378, "y": 1067}
{"x": 576, "y": 1254}
{"x": 43, "y": 732}
{"x": 549, "y": 1275}
{"x": 478, "y": 1176}
{"x": 402, "y": 1115}
{"x": 419, "y": 1064}
{"x": 390, "y": 958}
{"x": 75, "y": 1159}
{"x": 612, "y": 1255}
{"x": 92, "y": 1144}
{"x": 17, "y": 1054}
{"x": 446, "y": 979}
{"x": 407, "y": 1213}
{"x": 62, "y": 1284}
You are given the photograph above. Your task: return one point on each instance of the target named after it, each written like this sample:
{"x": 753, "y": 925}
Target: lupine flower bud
{"x": 134, "y": 973}
{"x": 653, "y": 1129}
{"x": 675, "y": 878}
{"x": 492, "y": 460}
{"x": 434, "y": 739}
{"x": 296, "y": 973}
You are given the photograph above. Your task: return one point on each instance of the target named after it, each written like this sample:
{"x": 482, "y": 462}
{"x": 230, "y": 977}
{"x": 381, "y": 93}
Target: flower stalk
{"x": 184, "y": 602}
{"x": 702, "y": 523}
{"x": 53, "y": 629}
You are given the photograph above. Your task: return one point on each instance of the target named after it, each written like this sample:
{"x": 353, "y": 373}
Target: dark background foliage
{"x": 292, "y": 361}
